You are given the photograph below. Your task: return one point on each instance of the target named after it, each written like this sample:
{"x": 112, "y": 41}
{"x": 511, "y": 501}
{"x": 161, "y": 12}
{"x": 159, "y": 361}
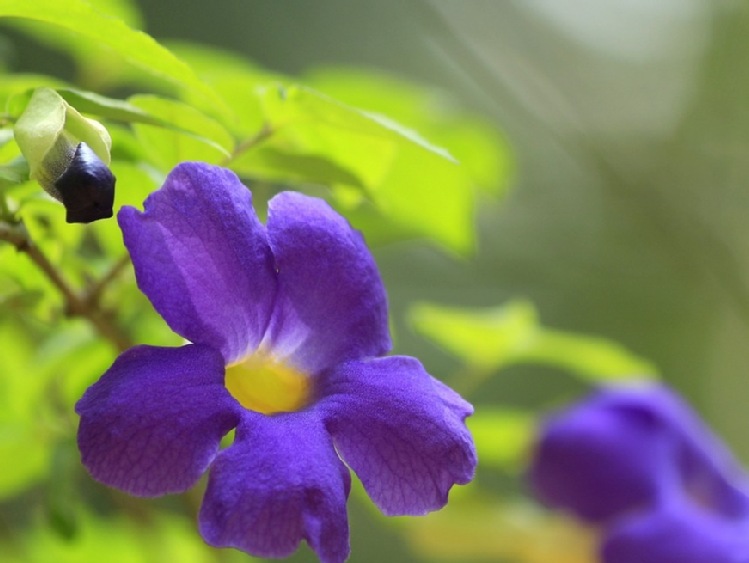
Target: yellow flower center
{"x": 263, "y": 384}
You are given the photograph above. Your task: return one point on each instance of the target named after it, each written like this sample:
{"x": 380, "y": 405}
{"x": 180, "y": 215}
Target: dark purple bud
{"x": 86, "y": 187}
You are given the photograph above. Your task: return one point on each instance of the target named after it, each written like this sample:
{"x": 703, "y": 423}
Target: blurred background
{"x": 625, "y": 127}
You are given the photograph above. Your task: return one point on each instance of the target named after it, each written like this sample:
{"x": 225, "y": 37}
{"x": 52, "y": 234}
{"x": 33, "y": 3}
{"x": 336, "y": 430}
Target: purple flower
{"x": 678, "y": 534}
{"x": 638, "y": 462}
{"x": 287, "y": 326}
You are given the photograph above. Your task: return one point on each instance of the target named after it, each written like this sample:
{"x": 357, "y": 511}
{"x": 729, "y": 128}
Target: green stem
{"x": 95, "y": 290}
{"x": 75, "y": 305}
{"x": 5, "y": 213}
{"x": 265, "y": 132}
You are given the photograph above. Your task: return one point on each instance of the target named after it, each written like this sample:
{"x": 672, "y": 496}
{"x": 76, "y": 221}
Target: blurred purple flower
{"x": 288, "y": 328}
{"x": 638, "y": 463}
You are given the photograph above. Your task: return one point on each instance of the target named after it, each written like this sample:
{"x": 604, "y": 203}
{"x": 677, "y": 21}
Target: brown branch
{"x": 75, "y": 305}
{"x": 96, "y": 289}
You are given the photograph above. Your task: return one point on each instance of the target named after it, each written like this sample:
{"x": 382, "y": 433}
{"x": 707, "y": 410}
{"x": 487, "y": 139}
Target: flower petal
{"x": 627, "y": 448}
{"x": 400, "y": 430}
{"x": 202, "y": 258}
{"x": 708, "y": 472}
{"x": 332, "y": 305}
{"x": 677, "y": 536}
{"x": 603, "y": 458}
{"x": 153, "y": 423}
{"x": 280, "y": 482}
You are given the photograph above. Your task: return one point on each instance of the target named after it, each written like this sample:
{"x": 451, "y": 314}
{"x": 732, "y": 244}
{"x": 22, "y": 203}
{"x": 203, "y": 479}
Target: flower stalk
{"x": 76, "y": 305}
{"x": 265, "y": 132}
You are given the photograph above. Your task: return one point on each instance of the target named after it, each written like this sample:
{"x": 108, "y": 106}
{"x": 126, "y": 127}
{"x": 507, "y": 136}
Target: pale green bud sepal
{"x": 68, "y": 154}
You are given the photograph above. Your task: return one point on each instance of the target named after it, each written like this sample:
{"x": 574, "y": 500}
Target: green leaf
{"x": 301, "y": 123}
{"x": 410, "y": 180}
{"x": 592, "y": 358}
{"x": 502, "y": 436}
{"x": 235, "y": 79}
{"x": 14, "y": 172}
{"x": 110, "y": 108}
{"x": 480, "y": 148}
{"x": 14, "y": 167}
{"x": 488, "y": 338}
{"x": 430, "y": 196}
{"x": 97, "y": 68}
{"x": 22, "y": 412}
{"x": 195, "y": 136}
{"x": 6, "y": 136}
{"x": 493, "y": 338}
{"x": 21, "y": 443}
{"x": 134, "y": 46}
{"x": 271, "y": 163}
{"x": 16, "y": 90}
{"x": 74, "y": 358}
{"x": 119, "y": 540}
{"x": 483, "y": 527}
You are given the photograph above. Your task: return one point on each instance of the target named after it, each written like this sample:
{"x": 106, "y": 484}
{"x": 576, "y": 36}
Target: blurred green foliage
{"x": 489, "y": 339}
{"x": 401, "y": 160}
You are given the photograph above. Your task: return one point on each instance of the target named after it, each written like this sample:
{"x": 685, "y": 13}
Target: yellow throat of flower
{"x": 263, "y": 384}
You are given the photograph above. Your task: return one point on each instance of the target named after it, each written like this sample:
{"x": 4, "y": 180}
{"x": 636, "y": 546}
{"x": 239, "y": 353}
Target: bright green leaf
{"x": 6, "y": 136}
{"x": 410, "y": 180}
{"x": 195, "y": 137}
{"x": 478, "y": 146}
{"x": 305, "y": 123}
{"x": 134, "y": 46}
{"x": 502, "y": 436}
{"x": 14, "y": 172}
{"x": 20, "y": 442}
{"x": 16, "y": 89}
{"x": 97, "y": 68}
{"x": 492, "y": 338}
{"x": 23, "y": 438}
{"x": 235, "y": 79}
{"x": 185, "y": 118}
{"x": 14, "y": 168}
{"x": 110, "y": 108}
{"x": 118, "y": 540}
{"x": 486, "y": 528}
{"x": 593, "y": 358}
{"x": 430, "y": 196}
{"x": 74, "y": 358}
{"x": 488, "y": 338}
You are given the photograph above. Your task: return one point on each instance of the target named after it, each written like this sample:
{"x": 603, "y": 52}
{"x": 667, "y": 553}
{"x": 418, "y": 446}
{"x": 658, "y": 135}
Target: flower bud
{"x": 86, "y": 187}
{"x": 68, "y": 155}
